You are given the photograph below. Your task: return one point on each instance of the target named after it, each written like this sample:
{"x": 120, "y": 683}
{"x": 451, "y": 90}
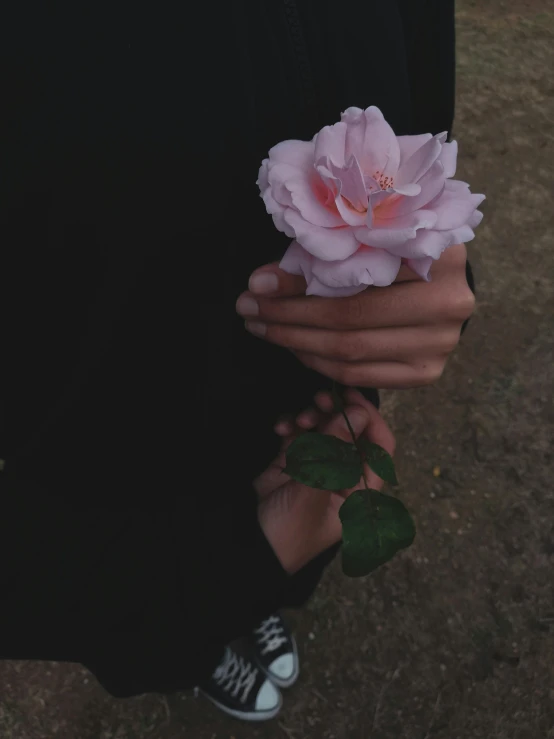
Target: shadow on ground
{"x": 455, "y": 639}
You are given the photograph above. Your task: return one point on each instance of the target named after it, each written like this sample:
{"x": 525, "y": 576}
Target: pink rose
{"x": 358, "y": 200}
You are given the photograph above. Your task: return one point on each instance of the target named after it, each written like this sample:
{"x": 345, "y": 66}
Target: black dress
{"x": 135, "y": 408}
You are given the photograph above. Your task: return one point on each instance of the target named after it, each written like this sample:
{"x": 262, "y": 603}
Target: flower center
{"x": 384, "y": 182}
{"x": 350, "y": 205}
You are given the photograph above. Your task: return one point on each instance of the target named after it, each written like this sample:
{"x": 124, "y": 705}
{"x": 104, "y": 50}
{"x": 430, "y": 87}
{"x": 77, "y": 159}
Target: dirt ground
{"x": 454, "y": 639}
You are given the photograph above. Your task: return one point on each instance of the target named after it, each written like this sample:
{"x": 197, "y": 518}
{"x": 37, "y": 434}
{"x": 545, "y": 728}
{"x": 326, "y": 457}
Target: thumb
{"x": 271, "y": 281}
{"x": 358, "y": 418}
{"x": 377, "y": 429}
{"x": 273, "y": 476}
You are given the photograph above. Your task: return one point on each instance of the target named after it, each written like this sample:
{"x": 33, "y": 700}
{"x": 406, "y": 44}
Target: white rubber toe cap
{"x": 283, "y": 667}
{"x": 269, "y": 698}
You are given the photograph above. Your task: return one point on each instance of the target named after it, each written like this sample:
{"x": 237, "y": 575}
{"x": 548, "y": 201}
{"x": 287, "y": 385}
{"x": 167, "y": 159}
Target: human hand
{"x": 398, "y": 336}
{"x": 300, "y": 522}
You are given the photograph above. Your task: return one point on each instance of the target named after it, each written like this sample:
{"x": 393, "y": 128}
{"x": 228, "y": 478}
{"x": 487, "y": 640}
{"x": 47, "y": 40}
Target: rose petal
{"x": 371, "y": 185}
{"x": 425, "y": 244}
{"x": 349, "y": 215}
{"x": 297, "y": 261}
{"x": 324, "y": 243}
{"x": 410, "y": 190}
{"x": 455, "y": 212}
{"x": 311, "y": 208}
{"x": 365, "y": 267}
{"x": 372, "y": 141}
{"x": 419, "y": 163}
{"x": 381, "y": 197}
{"x": 356, "y": 124}
{"x": 315, "y": 287}
{"x": 351, "y": 200}
{"x": 271, "y": 205}
{"x": 352, "y": 115}
{"x": 418, "y": 219}
{"x": 408, "y": 145}
{"x": 352, "y": 183}
{"x": 448, "y": 157}
{"x": 330, "y": 142}
{"x": 262, "y": 181}
{"x": 396, "y": 231}
{"x": 298, "y": 154}
{"x": 456, "y": 187}
{"x": 296, "y": 188}
{"x": 431, "y": 185}
{"x": 282, "y": 225}
{"x": 323, "y": 168}
{"x": 278, "y": 176}
{"x": 380, "y": 145}
{"x": 461, "y": 235}
{"x": 475, "y": 219}
{"x": 421, "y": 267}
{"x": 384, "y": 238}
{"x": 277, "y": 211}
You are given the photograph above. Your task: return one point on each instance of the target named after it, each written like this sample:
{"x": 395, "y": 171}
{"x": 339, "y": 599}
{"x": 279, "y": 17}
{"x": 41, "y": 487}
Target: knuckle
{"x": 430, "y": 372}
{"x": 434, "y": 370}
{"x": 449, "y": 340}
{"x": 462, "y": 303}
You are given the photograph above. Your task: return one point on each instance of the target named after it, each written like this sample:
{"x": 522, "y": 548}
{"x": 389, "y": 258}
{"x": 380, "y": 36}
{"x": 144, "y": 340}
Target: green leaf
{"x": 379, "y": 460}
{"x": 374, "y": 527}
{"x": 323, "y": 462}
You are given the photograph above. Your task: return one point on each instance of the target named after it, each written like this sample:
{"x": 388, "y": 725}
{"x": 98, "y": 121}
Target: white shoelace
{"x": 234, "y": 675}
{"x": 271, "y": 634}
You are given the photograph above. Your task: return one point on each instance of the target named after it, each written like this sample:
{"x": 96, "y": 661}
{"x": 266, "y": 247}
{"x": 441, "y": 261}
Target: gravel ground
{"x": 455, "y": 638}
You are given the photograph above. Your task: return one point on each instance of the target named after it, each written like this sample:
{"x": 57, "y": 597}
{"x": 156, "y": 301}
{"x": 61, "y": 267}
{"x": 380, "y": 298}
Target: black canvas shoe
{"x": 238, "y": 687}
{"x": 275, "y": 651}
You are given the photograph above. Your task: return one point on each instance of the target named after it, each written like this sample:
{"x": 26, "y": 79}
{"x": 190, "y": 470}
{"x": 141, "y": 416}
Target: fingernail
{"x": 247, "y": 306}
{"x": 263, "y": 282}
{"x": 256, "y": 328}
{"x": 357, "y": 417}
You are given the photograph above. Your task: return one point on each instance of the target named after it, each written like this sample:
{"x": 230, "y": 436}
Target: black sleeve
{"x": 429, "y": 30}
{"x": 144, "y": 595}
{"x": 471, "y": 282}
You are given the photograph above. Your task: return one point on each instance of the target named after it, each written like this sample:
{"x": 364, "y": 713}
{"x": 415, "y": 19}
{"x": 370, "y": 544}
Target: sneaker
{"x": 241, "y": 690}
{"x": 275, "y": 651}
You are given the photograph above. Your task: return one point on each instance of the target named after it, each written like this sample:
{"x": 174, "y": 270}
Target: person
{"x": 138, "y": 406}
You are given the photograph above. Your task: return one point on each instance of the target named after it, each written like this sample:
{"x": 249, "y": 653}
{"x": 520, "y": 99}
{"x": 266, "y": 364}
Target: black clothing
{"x": 131, "y": 136}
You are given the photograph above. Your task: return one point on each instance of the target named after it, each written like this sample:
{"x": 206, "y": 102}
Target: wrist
{"x": 289, "y": 561}
{"x": 295, "y": 540}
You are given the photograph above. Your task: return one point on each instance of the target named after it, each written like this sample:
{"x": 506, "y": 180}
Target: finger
{"x": 271, "y": 281}
{"x": 377, "y": 429}
{"x": 381, "y": 375}
{"x": 325, "y": 402}
{"x": 271, "y": 478}
{"x": 358, "y": 417}
{"x": 380, "y": 344}
{"x": 308, "y": 419}
{"x": 401, "y": 304}
{"x": 407, "y": 303}
{"x": 284, "y": 426}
